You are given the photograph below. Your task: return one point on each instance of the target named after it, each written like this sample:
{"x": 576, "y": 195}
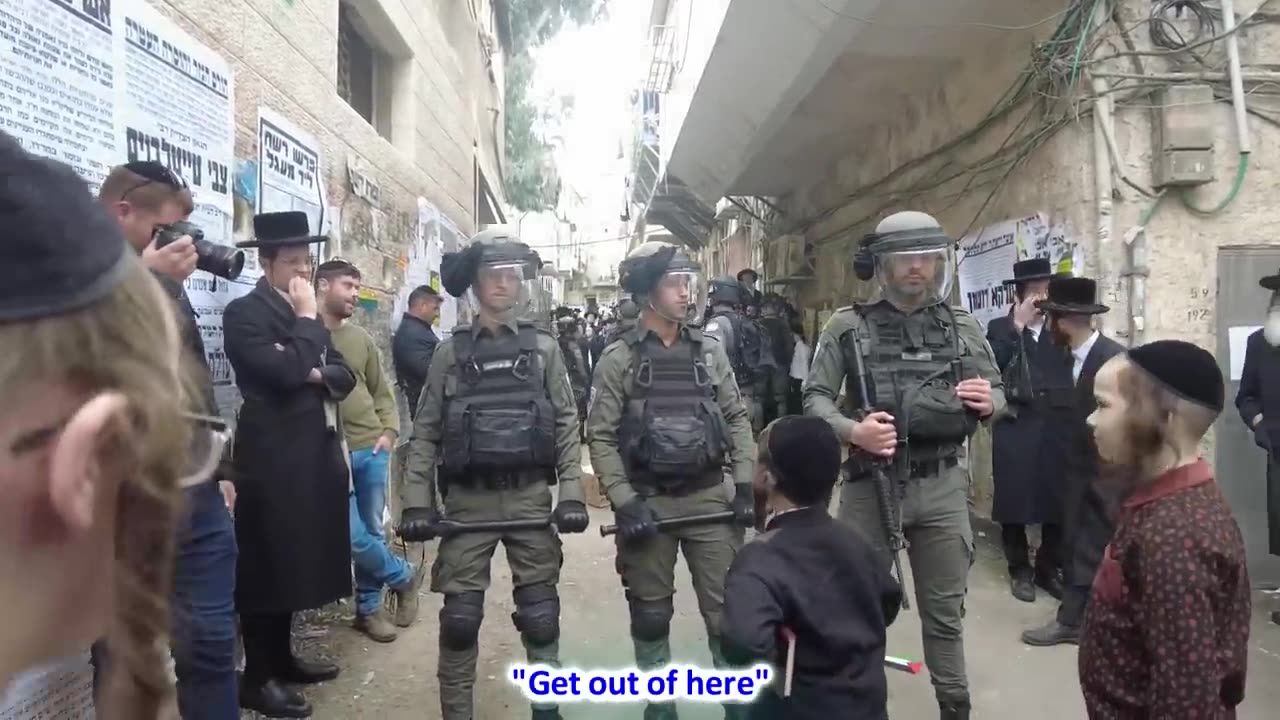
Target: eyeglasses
{"x": 153, "y": 172}
{"x": 203, "y": 455}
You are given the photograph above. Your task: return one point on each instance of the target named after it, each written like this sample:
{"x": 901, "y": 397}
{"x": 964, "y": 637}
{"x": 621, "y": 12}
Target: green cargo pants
{"x": 461, "y": 569}
{"x": 935, "y": 521}
{"x": 648, "y": 571}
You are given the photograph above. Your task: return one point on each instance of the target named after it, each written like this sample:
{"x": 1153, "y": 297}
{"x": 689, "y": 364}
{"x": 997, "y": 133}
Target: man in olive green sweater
{"x": 370, "y": 423}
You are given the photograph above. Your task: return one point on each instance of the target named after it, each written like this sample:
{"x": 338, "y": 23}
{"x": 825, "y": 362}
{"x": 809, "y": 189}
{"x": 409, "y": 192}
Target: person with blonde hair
{"x": 94, "y": 442}
{"x": 1167, "y": 630}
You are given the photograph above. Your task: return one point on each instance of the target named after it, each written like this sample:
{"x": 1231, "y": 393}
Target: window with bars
{"x": 364, "y": 79}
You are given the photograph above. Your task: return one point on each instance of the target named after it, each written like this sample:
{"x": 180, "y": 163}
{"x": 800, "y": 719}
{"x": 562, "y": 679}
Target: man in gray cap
{"x": 920, "y": 376}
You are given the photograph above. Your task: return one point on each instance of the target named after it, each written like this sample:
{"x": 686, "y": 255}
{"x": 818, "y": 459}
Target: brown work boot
{"x": 376, "y": 626}
{"x": 407, "y": 598}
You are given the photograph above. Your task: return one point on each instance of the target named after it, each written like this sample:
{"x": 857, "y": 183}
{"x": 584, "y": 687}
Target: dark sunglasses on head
{"x": 153, "y": 172}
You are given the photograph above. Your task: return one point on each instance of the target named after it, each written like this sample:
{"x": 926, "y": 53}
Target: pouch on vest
{"x": 673, "y": 431}
{"x": 501, "y": 419}
{"x": 936, "y": 413}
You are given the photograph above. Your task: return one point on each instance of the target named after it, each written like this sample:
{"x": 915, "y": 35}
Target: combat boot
{"x": 954, "y": 710}
{"x": 376, "y": 626}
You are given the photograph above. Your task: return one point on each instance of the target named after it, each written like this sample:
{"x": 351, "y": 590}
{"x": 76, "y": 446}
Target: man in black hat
{"x": 1027, "y": 442}
{"x": 1070, "y": 309}
{"x": 1258, "y": 402}
{"x": 291, "y": 471}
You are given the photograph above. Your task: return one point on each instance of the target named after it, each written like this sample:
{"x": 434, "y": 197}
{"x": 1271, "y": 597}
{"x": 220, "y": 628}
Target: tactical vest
{"x": 739, "y": 348}
{"x": 501, "y": 420}
{"x": 673, "y": 435}
{"x": 912, "y": 365}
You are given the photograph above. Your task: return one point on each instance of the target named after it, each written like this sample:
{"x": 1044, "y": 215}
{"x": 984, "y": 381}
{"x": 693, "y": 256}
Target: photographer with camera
{"x": 151, "y": 204}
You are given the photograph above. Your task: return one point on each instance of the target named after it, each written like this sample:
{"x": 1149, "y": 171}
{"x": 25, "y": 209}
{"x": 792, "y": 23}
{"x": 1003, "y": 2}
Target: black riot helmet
{"x": 657, "y": 265}
{"x": 725, "y": 291}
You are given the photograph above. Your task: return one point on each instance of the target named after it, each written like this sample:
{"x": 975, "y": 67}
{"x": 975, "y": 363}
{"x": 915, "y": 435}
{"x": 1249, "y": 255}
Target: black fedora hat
{"x": 281, "y": 229}
{"x": 1030, "y": 270}
{"x": 1271, "y": 282}
{"x": 747, "y": 271}
{"x": 1072, "y": 296}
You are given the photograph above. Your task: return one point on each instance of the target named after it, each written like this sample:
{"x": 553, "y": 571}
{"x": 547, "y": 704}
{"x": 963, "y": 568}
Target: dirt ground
{"x": 1009, "y": 680}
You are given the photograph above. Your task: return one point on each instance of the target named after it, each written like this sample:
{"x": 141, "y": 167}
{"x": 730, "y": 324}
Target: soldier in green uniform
{"x": 932, "y": 378}
{"x": 665, "y": 419}
{"x": 498, "y": 413}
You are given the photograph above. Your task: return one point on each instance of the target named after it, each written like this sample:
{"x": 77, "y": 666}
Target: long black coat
{"x": 291, "y": 475}
{"x": 1090, "y": 493}
{"x": 1030, "y": 443}
{"x": 1259, "y": 394}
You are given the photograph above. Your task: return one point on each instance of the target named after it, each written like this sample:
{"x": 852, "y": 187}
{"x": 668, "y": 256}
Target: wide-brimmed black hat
{"x": 748, "y": 271}
{"x": 1072, "y": 296}
{"x": 281, "y": 229}
{"x": 1271, "y": 282}
{"x": 1031, "y": 270}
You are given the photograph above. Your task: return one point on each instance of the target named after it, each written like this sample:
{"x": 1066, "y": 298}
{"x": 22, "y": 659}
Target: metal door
{"x": 1240, "y": 465}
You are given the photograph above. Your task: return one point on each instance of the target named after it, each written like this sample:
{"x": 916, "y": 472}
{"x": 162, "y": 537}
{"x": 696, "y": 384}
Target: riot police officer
{"x": 577, "y": 358}
{"x": 930, "y": 377}
{"x": 665, "y": 419}
{"x": 726, "y": 323}
{"x": 499, "y": 415}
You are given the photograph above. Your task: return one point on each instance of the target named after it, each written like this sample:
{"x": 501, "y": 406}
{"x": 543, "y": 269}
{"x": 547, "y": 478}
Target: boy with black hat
{"x": 291, "y": 472}
{"x": 1070, "y": 309}
{"x": 1168, "y": 626}
{"x": 815, "y": 576}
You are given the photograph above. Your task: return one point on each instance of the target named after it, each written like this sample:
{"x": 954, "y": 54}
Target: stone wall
{"x": 284, "y": 54}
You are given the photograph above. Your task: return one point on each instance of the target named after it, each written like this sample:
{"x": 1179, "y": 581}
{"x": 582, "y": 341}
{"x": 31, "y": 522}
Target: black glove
{"x": 744, "y": 505}
{"x": 635, "y": 520}
{"x": 418, "y": 524}
{"x": 1260, "y": 437}
{"x": 571, "y": 516}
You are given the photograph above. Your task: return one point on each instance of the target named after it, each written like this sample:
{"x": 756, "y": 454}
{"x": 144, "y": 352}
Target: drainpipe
{"x": 1233, "y": 66}
{"x": 1103, "y": 183}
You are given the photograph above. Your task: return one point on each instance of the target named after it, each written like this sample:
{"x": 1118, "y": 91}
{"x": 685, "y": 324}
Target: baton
{"x": 450, "y": 528}
{"x": 678, "y": 522}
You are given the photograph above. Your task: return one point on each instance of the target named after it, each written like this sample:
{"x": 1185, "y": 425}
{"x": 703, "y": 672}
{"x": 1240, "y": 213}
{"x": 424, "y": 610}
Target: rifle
{"x": 886, "y": 493}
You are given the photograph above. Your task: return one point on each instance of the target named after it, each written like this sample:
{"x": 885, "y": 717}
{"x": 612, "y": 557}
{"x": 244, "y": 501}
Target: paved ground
{"x": 1009, "y": 680}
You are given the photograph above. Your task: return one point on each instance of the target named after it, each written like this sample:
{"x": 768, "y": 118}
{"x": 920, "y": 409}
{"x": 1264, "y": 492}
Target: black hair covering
{"x": 458, "y": 269}
{"x": 563, "y": 312}
{"x": 804, "y": 455}
{"x": 641, "y": 274}
{"x": 59, "y": 249}
{"x": 1188, "y": 371}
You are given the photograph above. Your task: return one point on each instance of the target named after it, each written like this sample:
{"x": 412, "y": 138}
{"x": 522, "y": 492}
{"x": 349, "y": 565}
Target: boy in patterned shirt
{"x": 1167, "y": 629}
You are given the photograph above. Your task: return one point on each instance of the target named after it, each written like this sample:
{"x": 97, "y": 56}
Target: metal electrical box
{"x": 1183, "y": 148}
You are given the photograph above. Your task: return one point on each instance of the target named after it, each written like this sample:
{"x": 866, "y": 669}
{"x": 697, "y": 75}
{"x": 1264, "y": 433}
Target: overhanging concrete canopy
{"x": 793, "y": 84}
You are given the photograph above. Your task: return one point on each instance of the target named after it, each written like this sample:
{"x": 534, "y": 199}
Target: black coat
{"x": 412, "y": 348}
{"x": 291, "y": 474}
{"x": 1030, "y": 443}
{"x": 1259, "y": 394}
{"x": 820, "y": 578}
{"x": 1090, "y": 498}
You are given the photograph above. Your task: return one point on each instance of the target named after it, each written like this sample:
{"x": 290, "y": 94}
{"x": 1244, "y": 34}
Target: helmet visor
{"x": 505, "y": 288}
{"x": 679, "y": 296}
{"x": 916, "y": 278}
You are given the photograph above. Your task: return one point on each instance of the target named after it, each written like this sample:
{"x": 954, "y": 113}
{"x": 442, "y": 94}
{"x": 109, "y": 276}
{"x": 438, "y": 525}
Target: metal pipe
{"x": 1233, "y": 66}
{"x": 679, "y": 522}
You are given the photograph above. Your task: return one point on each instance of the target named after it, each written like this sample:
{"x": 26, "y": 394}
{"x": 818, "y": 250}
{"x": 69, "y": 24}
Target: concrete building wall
{"x": 446, "y": 112}
{"x": 1057, "y": 180}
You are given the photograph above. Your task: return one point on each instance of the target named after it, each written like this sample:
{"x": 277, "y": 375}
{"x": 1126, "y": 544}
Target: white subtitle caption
{"x": 674, "y": 682}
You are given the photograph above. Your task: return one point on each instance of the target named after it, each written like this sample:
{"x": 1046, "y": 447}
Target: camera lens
{"x": 225, "y": 262}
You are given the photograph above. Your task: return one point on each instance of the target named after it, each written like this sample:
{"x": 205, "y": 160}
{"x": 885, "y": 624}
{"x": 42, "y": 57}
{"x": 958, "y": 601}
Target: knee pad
{"x": 537, "y": 614}
{"x": 460, "y": 620}
{"x": 651, "y": 619}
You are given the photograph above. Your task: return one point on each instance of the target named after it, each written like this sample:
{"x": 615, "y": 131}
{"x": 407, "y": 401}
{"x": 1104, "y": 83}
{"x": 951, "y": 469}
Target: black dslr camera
{"x": 225, "y": 262}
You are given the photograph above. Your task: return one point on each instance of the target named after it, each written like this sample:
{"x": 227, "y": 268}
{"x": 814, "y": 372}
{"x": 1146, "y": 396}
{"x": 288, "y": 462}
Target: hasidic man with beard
{"x": 1259, "y": 404}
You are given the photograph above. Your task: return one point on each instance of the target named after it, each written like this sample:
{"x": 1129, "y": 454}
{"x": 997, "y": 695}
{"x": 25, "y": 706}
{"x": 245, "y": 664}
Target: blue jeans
{"x": 376, "y": 566}
{"x": 204, "y": 583}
